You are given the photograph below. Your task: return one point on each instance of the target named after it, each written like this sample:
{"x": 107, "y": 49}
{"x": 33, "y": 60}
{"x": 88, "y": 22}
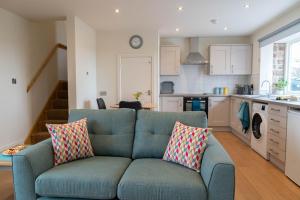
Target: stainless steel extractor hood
{"x": 194, "y": 57}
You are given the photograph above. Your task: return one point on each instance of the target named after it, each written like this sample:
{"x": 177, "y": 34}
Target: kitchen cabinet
{"x": 171, "y": 104}
{"x": 235, "y": 122}
{"x": 230, "y": 59}
{"x": 218, "y": 111}
{"x": 240, "y": 59}
{"x": 169, "y": 60}
{"x": 219, "y": 60}
{"x": 277, "y": 131}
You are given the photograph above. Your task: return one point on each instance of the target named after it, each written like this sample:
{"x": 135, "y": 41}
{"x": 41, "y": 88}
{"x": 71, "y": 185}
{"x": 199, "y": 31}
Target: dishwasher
{"x": 292, "y": 164}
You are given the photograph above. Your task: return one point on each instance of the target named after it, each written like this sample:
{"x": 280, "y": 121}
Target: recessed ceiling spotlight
{"x": 247, "y": 5}
{"x": 225, "y": 28}
{"x": 177, "y": 29}
{"x": 117, "y": 10}
{"x": 180, "y": 8}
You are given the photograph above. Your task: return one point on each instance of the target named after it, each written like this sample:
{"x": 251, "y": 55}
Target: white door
{"x": 241, "y": 59}
{"x": 219, "y": 60}
{"x": 135, "y": 75}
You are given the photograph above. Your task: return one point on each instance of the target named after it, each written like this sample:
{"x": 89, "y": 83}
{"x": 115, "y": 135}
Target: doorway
{"x": 135, "y": 74}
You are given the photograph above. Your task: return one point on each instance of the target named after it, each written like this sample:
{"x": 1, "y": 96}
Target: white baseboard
{"x": 21, "y": 141}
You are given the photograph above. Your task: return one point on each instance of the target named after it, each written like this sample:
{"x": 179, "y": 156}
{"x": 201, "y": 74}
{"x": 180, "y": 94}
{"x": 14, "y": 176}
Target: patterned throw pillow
{"x": 70, "y": 141}
{"x": 186, "y": 145}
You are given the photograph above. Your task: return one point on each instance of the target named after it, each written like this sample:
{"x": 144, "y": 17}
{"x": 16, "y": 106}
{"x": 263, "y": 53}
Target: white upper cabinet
{"x": 230, "y": 59}
{"x": 169, "y": 60}
{"x": 241, "y": 59}
{"x": 219, "y": 60}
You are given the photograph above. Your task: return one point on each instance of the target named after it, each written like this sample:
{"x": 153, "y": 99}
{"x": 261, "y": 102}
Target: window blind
{"x": 283, "y": 32}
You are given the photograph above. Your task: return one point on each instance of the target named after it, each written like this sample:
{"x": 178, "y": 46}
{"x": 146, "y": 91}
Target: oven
{"x": 195, "y": 104}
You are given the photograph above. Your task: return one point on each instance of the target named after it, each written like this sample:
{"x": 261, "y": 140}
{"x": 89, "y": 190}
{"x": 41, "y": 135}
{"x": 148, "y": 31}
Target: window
{"x": 293, "y": 67}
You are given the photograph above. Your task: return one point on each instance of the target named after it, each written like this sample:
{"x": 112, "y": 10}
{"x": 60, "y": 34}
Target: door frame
{"x": 119, "y": 73}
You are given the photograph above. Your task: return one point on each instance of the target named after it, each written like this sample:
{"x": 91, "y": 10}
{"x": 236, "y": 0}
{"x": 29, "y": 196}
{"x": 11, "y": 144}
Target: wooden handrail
{"x": 44, "y": 64}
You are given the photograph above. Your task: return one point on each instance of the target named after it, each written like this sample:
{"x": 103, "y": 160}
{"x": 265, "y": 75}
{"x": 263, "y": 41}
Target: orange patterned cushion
{"x": 70, "y": 141}
{"x": 186, "y": 145}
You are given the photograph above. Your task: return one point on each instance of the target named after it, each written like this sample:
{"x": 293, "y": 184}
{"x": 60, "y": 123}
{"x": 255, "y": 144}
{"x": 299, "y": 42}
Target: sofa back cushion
{"x": 111, "y": 131}
{"x": 153, "y": 130}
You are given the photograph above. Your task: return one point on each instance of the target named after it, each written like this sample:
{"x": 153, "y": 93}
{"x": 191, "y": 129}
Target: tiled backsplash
{"x": 196, "y": 79}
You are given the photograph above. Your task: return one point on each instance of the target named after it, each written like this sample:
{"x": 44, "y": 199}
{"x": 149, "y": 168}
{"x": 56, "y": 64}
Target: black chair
{"x": 136, "y": 105}
{"x": 101, "y": 103}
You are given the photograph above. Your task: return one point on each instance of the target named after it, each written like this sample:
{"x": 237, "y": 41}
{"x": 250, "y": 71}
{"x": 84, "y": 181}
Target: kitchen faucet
{"x": 270, "y": 87}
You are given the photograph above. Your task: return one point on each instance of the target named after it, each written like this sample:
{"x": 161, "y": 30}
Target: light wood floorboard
{"x": 256, "y": 178}
{"x": 6, "y": 185}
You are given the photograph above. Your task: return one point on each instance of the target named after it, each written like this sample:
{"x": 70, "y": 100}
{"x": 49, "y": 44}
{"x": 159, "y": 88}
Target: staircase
{"x": 55, "y": 112}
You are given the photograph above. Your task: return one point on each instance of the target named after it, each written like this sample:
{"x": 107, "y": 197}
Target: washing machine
{"x": 259, "y": 136}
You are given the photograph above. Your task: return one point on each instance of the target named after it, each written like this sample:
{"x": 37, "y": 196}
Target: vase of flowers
{"x": 280, "y": 86}
{"x": 137, "y": 95}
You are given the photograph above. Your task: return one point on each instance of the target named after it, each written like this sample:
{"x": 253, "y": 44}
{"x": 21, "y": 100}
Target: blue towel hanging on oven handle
{"x": 196, "y": 105}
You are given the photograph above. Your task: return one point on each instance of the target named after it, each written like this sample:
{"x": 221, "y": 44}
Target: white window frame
{"x": 287, "y": 66}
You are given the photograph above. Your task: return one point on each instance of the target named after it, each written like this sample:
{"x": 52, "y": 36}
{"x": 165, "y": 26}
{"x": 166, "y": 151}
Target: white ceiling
{"x": 161, "y": 15}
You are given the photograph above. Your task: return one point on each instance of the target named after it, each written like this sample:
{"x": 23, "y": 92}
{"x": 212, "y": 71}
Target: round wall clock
{"x": 136, "y": 41}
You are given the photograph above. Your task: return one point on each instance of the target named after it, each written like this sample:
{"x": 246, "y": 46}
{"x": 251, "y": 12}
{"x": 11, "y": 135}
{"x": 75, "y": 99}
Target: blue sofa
{"x": 128, "y": 162}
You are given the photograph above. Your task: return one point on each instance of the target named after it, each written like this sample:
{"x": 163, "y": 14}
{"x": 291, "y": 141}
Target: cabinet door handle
{"x": 275, "y": 142}
{"x": 211, "y": 69}
{"x": 179, "y": 103}
{"x": 274, "y": 131}
{"x": 232, "y": 68}
{"x": 276, "y": 110}
{"x": 274, "y": 120}
{"x": 274, "y": 152}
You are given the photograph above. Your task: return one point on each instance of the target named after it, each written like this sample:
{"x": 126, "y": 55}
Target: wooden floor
{"x": 6, "y": 185}
{"x": 256, "y": 178}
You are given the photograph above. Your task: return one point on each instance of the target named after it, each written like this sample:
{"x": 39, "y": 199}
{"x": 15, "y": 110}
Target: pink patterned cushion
{"x": 186, "y": 146}
{"x": 70, "y": 141}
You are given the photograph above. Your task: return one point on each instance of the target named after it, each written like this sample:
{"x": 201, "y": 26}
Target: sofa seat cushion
{"x": 91, "y": 178}
{"x": 150, "y": 179}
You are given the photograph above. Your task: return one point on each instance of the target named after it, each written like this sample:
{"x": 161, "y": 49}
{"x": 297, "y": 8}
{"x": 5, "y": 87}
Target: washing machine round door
{"x": 256, "y": 123}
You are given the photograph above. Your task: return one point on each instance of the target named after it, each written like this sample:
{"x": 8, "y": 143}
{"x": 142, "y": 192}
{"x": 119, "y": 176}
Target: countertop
{"x": 254, "y": 98}
{"x": 263, "y": 99}
{"x": 192, "y": 95}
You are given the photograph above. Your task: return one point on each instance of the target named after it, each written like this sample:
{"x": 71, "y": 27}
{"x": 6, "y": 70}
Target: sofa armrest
{"x": 218, "y": 171}
{"x": 28, "y": 165}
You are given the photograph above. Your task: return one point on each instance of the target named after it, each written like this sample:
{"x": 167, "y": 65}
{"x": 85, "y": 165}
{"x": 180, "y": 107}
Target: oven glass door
{"x": 190, "y": 107}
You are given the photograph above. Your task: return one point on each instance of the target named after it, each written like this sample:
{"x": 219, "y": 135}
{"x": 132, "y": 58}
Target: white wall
{"x": 112, "y": 44}
{"x": 24, "y": 45}
{"x": 195, "y": 79}
{"x": 81, "y": 64}
{"x": 280, "y": 21}
{"x": 61, "y": 37}
{"x": 266, "y": 72}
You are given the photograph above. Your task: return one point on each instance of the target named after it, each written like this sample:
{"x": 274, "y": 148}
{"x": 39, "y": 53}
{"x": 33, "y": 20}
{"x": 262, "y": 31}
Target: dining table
{"x": 146, "y": 106}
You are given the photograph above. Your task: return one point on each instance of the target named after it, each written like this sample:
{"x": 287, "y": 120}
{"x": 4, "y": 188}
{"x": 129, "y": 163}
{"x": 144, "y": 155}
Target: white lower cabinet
{"x": 235, "y": 122}
{"x": 171, "y": 104}
{"x": 218, "y": 111}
